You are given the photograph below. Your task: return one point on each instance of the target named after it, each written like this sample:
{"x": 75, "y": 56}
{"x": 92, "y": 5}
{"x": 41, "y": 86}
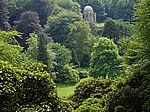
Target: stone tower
{"x": 89, "y": 14}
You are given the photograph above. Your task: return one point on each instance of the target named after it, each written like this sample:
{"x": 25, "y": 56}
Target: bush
{"x": 23, "y": 87}
{"x": 90, "y": 105}
{"x": 90, "y": 88}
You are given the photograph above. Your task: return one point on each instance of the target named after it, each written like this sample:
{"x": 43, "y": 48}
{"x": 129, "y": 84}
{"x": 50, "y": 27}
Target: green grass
{"x": 100, "y": 24}
{"x": 65, "y": 90}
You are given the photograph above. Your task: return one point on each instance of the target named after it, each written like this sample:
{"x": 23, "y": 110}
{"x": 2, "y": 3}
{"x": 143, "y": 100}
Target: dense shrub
{"x": 66, "y": 106}
{"x": 90, "y": 88}
{"x": 90, "y": 105}
{"x": 23, "y": 87}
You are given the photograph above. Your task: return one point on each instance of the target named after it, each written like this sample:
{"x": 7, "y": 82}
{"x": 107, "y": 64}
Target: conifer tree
{"x": 42, "y": 49}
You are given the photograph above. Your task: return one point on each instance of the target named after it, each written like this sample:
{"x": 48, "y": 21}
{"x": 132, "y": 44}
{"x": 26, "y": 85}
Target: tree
{"x": 43, "y": 8}
{"x": 28, "y": 23}
{"x": 111, "y": 30}
{"x": 63, "y": 55}
{"x": 32, "y": 51}
{"x": 143, "y": 20}
{"x": 4, "y": 25}
{"x": 43, "y": 54}
{"x": 38, "y": 50}
{"x": 9, "y": 49}
{"x": 80, "y": 42}
{"x": 57, "y": 26}
{"x": 132, "y": 93}
{"x": 115, "y": 29}
{"x": 121, "y": 9}
{"x": 105, "y": 60}
{"x": 69, "y": 5}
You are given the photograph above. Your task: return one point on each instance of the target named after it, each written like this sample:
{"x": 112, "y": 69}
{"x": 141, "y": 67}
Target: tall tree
{"x": 80, "y": 42}
{"x": 28, "y": 23}
{"x": 143, "y": 23}
{"x": 58, "y": 26}
{"x": 110, "y": 30}
{"x": 42, "y": 48}
{"x": 43, "y": 8}
{"x": 4, "y": 25}
{"x": 105, "y": 60}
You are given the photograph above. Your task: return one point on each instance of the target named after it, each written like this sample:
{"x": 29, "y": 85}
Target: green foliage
{"x": 23, "y": 87}
{"x": 111, "y": 30}
{"x": 9, "y": 50}
{"x": 115, "y": 29}
{"x": 57, "y": 26}
{"x": 32, "y": 51}
{"x": 69, "y": 5}
{"x": 134, "y": 51}
{"x": 80, "y": 41}
{"x": 68, "y": 75}
{"x": 132, "y": 93}
{"x": 83, "y": 73}
{"x": 105, "y": 59}
{"x": 90, "y": 105}
{"x": 4, "y": 25}
{"x": 43, "y": 7}
{"x": 143, "y": 22}
{"x": 42, "y": 49}
{"x": 97, "y": 29}
{"x": 90, "y": 88}
{"x": 66, "y": 106}
{"x": 39, "y": 51}
{"x": 63, "y": 55}
{"x": 28, "y": 23}
{"x": 121, "y": 9}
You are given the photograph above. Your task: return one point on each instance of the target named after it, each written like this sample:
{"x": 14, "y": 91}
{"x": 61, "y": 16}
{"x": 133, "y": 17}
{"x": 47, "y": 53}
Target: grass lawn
{"x": 65, "y": 90}
{"x": 100, "y": 24}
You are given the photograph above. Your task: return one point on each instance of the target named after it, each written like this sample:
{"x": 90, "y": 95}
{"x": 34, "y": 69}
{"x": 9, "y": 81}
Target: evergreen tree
{"x": 4, "y": 25}
{"x": 42, "y": 49}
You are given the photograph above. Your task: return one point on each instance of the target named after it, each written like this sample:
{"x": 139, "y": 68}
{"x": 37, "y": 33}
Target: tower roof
{"x": 88, "y": 8}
